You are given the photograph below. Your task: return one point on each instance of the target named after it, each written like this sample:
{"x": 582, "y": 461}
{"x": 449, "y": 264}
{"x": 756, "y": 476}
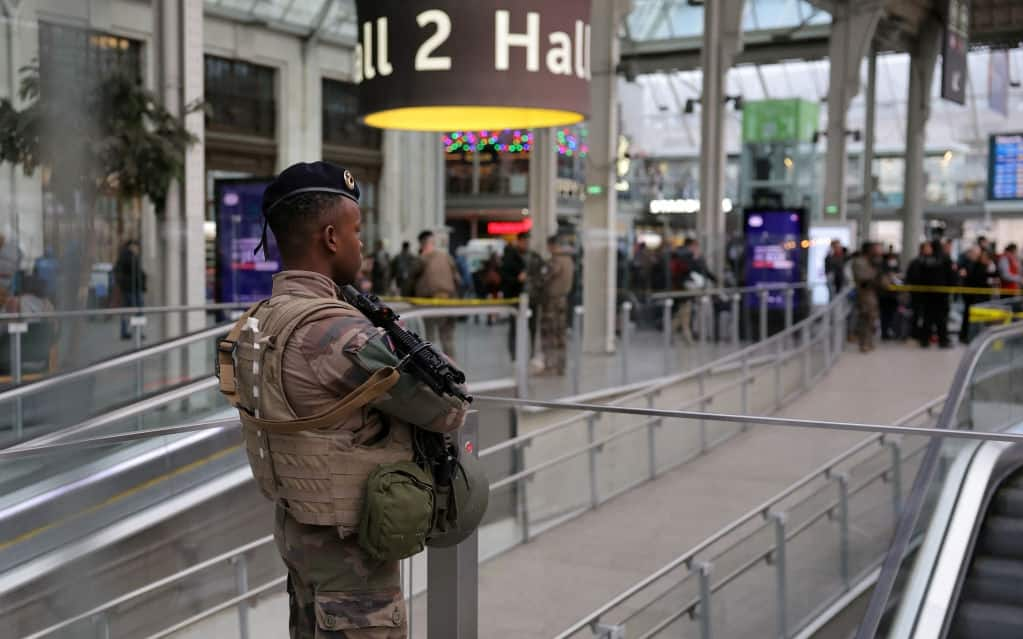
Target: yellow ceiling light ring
{"x": 470, "y": 118}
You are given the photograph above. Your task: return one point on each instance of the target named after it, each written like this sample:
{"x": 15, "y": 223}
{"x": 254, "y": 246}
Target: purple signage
{"x": 776, "y": 250}
{"x": 242, "y": 276}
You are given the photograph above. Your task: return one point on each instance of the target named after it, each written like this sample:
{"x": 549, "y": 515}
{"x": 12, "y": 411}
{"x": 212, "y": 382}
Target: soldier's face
{"x": 343, "y": 242}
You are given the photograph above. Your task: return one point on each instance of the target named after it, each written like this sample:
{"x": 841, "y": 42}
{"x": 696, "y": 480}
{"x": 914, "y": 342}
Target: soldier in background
{"x": 315, "y": 424}
{"x": 436, "y": 276}
{"x": 558, "y": 274}
{"x": 867, "y": 273}
{"x": 401, "y": 269}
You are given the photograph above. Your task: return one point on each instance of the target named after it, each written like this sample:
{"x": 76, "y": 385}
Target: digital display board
{"x": 242, "y": 276}
{"x": 776, "y": 249}
{"x": 1005, "y": 167}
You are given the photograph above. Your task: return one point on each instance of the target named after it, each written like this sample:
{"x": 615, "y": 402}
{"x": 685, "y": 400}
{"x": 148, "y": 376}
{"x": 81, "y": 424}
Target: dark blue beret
{"x": 310, "y": 177}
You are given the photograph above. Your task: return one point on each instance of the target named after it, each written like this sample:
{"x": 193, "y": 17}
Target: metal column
{"x": 867, "y": 207}
{"x": 453, "y": 573}
{"x": 923, "y": 57}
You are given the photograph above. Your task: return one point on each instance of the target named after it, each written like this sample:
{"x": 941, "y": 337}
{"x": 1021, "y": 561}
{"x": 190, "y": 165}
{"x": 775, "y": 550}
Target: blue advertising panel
{"x": 242, "y": 276}
{"x": 776, "y": 249}
{"x": 1005, "y": 170}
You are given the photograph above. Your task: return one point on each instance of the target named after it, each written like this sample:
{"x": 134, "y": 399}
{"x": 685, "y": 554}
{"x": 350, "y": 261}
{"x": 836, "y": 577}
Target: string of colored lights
{"x": 567, "y": 142}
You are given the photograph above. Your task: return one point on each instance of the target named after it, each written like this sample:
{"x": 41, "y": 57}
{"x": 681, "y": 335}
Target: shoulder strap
{"x": 377, "y": 385}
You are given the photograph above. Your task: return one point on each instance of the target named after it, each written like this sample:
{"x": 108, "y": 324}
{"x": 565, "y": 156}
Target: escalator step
{"x": 1009, "y": 502}
{"x": 976, "y": 620}
{"x": 1001, "y": 536}
{"x": 995, "y": 580}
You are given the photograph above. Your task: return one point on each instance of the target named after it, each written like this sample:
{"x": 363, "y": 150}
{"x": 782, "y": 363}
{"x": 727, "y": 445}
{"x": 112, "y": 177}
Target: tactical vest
{"x": 311, "y": 465}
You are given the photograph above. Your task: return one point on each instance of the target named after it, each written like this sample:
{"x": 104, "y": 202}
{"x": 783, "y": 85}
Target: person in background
{"x": 889, "y": 299}
{"x": 915, "y": 277}
{"x": 558, "y": 274}
{"x": 834, "y": 268}
{"x": 514, "y": 275}
{"x": 1009, "y": 271}
{"x": 697, "y": 277}
{"x": 867, "y": 274}
{"x": 45, "y": 270}
{"x": 934, "y": 270}
{"x": 381, "y": 272}
{"x": 974, "y": 274}
{"x": 401, "y": 269}
{"x": 130, "y": 280}
{"x": 436, "y": 277}
{"x": 488, "y": 281}
{"x": 468, "y": 287}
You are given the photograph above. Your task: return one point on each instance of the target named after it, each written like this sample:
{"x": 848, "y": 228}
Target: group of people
{"x": 921, "y": 310}
{"x": 432, "y": 273}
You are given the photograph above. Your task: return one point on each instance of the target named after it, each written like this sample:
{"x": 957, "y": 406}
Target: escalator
{"x": 990, "y": 605}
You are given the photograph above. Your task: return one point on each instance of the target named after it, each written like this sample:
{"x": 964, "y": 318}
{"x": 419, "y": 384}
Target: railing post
{"x": 705, "y": 327}
{"x": 102, "y": 625}
{"x": 453, "y": 573}
{"x": 829, "y": 341}
{"x": 607, "y": 631}
{"x": 790, "y": 297}
{"x": 705, "y": 608}
{"x": 522, "y": 347}
{"x": 241, "y": 581}
{"x": 736, "y": 311}
{"x": 843, "y": 527}
{"x": 626, "y": 315}
{"x": 651, "y": 436}
{"x": 138, "y": 323}
{"x": 521, "y": 494}
{"x": 806, "y": 354}
{"x": 591, "y": 434}
{"x": 763, "y": 314}
{"x": 744, "y": 388}
{"x": 701, "y": 388}
{"x": 577, "y": 347}
{"x": 666, "y": 329}
{"x": 896, "y": 476}
{"x": 777, "y": 375}
{"x": 14, "y": 332}
{"x": 781, "y": 582}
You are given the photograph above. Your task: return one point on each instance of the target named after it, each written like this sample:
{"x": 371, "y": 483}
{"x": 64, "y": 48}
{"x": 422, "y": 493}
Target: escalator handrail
{"x": 113, "y": 362}
{"x": 913, "y": 506}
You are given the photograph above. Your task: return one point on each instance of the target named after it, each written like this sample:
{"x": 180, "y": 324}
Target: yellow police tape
{"x": 952, "y": 290}
{"x": 450, "y": 301}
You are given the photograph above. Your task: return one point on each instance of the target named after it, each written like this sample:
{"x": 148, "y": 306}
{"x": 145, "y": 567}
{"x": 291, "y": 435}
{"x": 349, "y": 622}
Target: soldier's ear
{"x": 330, "y": 238}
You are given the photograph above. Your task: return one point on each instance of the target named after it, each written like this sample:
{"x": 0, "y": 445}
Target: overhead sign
{"x": 779, "y": 120}
{"x": 443, "y": 65}
{"x": 953, "y": 51}
{"x": 683, "y": 206}
{"x": 1005, "y": 167}
{"x": 998, "y": 81}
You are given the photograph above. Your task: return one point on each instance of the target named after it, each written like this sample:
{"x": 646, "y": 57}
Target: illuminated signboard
{"x": 683, "y": 206}
{"x": 509, "y": 228}
{"x": 776, "y": 248}
{"x": 1005, "y": 167}
{"x": 242, "y": 276}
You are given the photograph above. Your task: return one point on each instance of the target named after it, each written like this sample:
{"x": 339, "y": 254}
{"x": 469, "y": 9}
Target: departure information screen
{"x": 242, "y": 274}
{"x": 1005, "y": 170}
{"x": 776, "y": 248}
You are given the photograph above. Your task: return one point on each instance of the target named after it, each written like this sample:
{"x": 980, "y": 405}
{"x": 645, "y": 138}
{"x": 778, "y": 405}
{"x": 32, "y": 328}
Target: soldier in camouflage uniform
{"x": 304, "y": 370}
{"x": 558, "y": 274}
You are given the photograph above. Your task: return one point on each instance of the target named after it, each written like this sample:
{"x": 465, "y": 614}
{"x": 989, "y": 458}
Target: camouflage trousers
{"x": 552, "y": 334}
{"x": 335, "y": 590}
{"x": 867, "y": 312}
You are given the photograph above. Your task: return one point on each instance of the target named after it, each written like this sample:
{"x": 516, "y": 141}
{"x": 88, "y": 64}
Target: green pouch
{"x": 397, "y": 513}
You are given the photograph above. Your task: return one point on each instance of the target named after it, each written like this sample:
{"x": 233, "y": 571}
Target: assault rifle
{"x": 418, "y": 356}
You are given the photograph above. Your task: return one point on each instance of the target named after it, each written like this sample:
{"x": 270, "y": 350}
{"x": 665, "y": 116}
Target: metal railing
{"x": 768, "y": 517}
{"x": 744, "y": 363}
{"x": 642, "y": 609}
